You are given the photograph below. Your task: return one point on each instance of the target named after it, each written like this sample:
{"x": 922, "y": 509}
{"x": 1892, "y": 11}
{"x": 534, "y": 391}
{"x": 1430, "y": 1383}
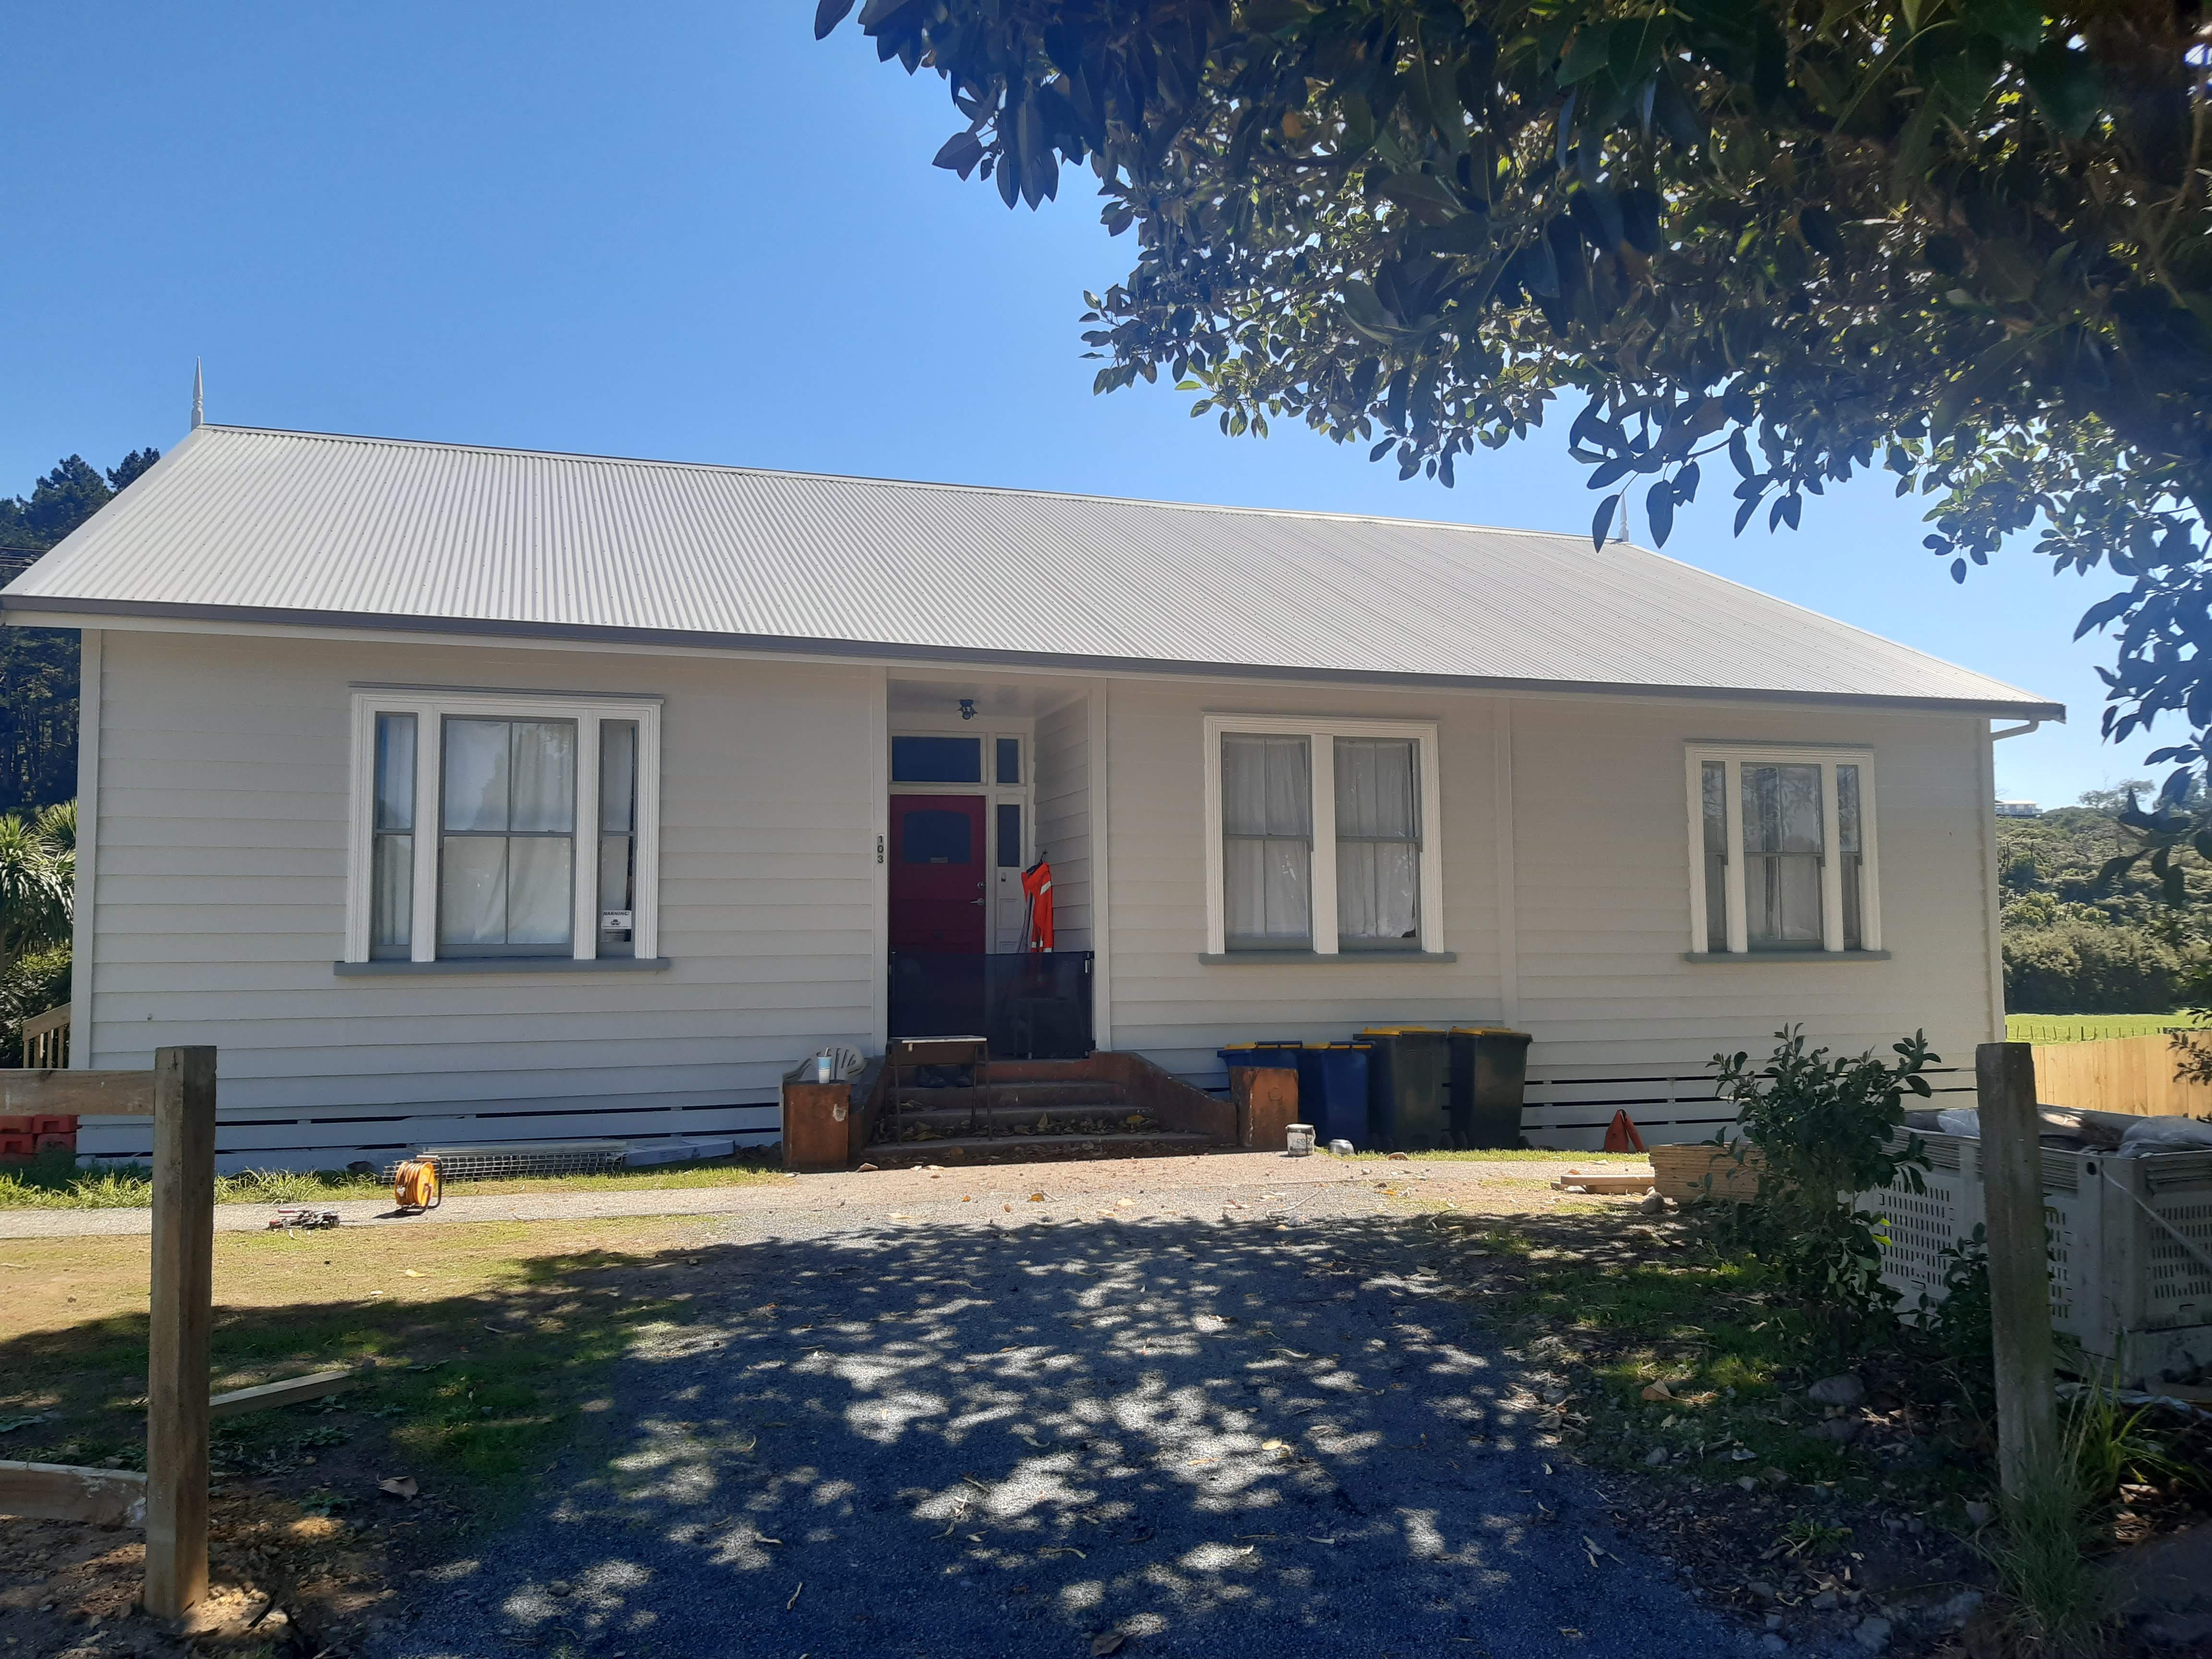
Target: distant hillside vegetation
{"x": 2069, "y": 950}
{"x": 38, "y": 665}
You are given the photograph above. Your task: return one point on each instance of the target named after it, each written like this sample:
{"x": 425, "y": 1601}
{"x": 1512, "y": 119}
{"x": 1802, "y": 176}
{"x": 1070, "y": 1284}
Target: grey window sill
{"x": 500, "y": 965}
{"x": 1365, "y": 958}
{"x": 1741, "y": 958}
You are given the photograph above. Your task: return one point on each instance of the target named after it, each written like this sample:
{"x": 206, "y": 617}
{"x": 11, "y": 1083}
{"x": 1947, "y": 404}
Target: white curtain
{"x": 1378, "y": 850}
{"x": 544, "y": 770}
{"x": 510, "y": 812}
{"x": 392, "y": 889}
{"x": 1781, "y": 854}
{"x": 476, "y": 775}
{"x": 1850, "y": 848}
{"x": 392, "y": 875}
{"x": 472, "y": 891}
{"x": 1713, "y": 782}
{"x": 1267, "y": 820}
{"x": 539, "y": 886}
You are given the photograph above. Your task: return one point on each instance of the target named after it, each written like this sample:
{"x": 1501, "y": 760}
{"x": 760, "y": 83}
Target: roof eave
{"x": 781, "y": 645}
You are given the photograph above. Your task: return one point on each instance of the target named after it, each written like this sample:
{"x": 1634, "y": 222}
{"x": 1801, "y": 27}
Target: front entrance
{"x": 938, "y": 900}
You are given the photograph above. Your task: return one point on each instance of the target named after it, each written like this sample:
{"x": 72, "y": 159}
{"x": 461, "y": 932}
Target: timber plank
{"x": 61, "y": 1492}
{"x": 80, "y": 1094}
{"x": 289, "y": 1392}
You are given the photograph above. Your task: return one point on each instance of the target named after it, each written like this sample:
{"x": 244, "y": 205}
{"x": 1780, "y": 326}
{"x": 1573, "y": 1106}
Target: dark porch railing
{"x": 1036, "y": 1007}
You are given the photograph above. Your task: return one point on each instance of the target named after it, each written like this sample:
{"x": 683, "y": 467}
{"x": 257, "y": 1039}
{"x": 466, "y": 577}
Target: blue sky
{"x": 688, "y": 230}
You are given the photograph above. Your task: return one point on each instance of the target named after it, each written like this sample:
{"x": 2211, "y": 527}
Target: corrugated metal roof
{"x": 246, "y": 524}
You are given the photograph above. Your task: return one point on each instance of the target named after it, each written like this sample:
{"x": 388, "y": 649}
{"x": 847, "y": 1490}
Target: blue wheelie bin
{"x": 1282, "y": 1053}
{"x": 1332, "y": 1090}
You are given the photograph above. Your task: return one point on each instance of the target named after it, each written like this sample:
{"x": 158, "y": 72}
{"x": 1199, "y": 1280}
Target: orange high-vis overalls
{"x": 1036, "y": 888}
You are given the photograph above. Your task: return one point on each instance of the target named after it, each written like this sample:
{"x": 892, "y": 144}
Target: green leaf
{"x": 959, "y": 154}
{"x": 829, "y": 15}
{"x": 1366, "y": 312}
{"x": 2016, "y": 24}
{"x": 1586, "y": 54}
{"x": 1910, "y": 164}
{"x": 1421, "y": 195}
{"x": 2065, "y": 84}
{"x": 1659, "y": 506}
{"x": 1601, "y": 520}
{"x": 1818, "y": 227}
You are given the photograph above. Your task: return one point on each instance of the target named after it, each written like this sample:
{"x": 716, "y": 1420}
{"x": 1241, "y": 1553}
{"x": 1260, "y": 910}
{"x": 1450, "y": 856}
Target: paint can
{"x": 1299, "y": 1140}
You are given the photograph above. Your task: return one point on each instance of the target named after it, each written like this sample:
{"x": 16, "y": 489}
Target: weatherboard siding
{"x": 1063, "y": 818}
{"x": 1169, "y": 1004}
{"x": 1603, "y": 889}
{"x": 1600, "y": 888}
{"x": 222, "y": 774}
{"x": 223, "y": 778}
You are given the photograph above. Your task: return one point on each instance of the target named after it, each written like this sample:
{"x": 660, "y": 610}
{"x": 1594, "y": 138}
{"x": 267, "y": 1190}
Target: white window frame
{"x": 430, "y": 708}
{"x": 1827, "y": 757}
{"x": 1321, "y": 734}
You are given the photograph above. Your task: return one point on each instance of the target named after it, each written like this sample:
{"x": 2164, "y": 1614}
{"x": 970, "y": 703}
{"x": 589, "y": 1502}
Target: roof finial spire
{"x": 199, "y": 395}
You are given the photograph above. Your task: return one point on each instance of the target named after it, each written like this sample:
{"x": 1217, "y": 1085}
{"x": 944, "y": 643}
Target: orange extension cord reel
{"x": 414, "y": 1184}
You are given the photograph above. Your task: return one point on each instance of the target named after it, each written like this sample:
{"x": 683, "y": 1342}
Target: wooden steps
{"x": 950, "y": 1107}
{"x": 969, "y": 1151}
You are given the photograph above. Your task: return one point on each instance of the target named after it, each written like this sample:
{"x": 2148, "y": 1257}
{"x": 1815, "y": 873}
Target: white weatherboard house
{"x": 463, "y": 794}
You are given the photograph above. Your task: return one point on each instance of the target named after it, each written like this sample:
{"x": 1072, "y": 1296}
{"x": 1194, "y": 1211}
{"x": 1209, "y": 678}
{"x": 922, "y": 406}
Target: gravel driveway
{"x": 985, "y": 1432}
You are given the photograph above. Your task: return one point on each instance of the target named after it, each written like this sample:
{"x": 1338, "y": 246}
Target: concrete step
{"x": 1034, "y": 1149}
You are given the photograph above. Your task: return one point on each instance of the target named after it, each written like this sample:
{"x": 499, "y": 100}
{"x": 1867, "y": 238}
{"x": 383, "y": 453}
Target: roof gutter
{"x": 877, "y": 651}
{"x": 2016, "y": 731}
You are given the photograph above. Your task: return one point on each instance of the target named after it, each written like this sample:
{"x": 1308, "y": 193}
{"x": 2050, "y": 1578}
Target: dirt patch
{"x": 283, "y": 1583}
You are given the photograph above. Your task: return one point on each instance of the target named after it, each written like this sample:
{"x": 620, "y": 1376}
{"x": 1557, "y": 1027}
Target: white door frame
{"x": 1002, "y": 886}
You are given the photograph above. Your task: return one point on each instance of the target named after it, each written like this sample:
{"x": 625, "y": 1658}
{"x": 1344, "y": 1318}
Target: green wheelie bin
{"x": 1407, "y": 1075}
{"x": 1489, "y": 1073}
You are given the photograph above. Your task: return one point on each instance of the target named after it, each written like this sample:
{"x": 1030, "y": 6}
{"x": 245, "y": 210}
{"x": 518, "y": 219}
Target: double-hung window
{"x": 502, "y": 826}
{"x": 1321, "y": 835}
{"x": 1781, "y": 843}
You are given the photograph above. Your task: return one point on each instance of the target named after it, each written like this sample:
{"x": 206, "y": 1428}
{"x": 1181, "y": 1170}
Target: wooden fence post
{"x": 177, "y": 1334}
{"x": 2020, "y": 1272}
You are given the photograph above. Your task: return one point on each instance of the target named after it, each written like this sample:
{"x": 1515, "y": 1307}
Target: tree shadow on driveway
{"x": 1048, "y": 1438}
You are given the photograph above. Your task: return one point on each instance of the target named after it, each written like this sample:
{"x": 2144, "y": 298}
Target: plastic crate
{"x": 54, "y": 1123}
{"x": 16, "y": 1125}
{"x": 2123, "y": 1287}
{"x": 17, "y": 1147}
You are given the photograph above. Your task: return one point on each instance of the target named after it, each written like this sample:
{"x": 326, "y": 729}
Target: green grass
{"x": 2089, "y": 1028}
{"x": 54, "y": 1182}
{"x": 452, "y": 1396}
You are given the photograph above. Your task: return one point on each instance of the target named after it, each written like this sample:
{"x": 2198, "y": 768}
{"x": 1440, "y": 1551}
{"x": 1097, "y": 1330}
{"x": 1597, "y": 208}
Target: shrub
{"x": 1823, "y": 1128}
{"x": 2078, "y": 966}
{"x": 30, "y": 985}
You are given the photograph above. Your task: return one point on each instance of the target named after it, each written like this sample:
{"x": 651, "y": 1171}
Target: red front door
{"x": 937, "y": 874}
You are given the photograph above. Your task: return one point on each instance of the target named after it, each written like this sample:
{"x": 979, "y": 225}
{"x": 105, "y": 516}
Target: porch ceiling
{"x": 1005, "y": 699}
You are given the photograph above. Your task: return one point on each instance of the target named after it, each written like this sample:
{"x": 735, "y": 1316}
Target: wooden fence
{"x": 2121, "y": 1074}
